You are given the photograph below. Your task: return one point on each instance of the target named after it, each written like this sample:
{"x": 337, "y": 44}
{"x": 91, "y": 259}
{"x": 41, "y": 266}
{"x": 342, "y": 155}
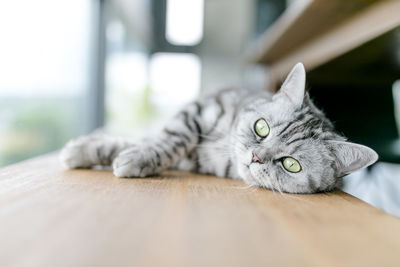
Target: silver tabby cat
{"x": 279, "y": 141}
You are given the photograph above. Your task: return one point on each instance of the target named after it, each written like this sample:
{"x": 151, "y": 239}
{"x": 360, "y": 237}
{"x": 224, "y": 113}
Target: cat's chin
{"x": 246, "y": 176}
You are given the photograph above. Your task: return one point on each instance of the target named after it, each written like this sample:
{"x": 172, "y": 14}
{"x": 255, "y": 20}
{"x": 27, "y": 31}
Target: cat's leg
{"x": 151, "y": 156}
{"x": 92, "y": 150}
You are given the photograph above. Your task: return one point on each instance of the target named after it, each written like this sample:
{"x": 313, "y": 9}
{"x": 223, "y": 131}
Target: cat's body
{"x": 213, "y": 153}
{"x": 279, "y": 141}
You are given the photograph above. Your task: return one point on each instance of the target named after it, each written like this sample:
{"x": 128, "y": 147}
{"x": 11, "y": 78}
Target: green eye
{"x": 261, "y": 128}
{"x": 291, "y": 165}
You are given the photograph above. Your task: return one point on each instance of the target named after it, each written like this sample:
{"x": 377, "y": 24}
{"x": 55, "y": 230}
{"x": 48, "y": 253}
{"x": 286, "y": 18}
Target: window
{"x": 146, "y": 82}
{"x": 184, "y": 25}
{"x": 44, "y": 75}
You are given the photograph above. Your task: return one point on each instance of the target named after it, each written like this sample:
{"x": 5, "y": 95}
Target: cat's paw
{"x": 136, "y": 161}
{"x": 84, "y": 152}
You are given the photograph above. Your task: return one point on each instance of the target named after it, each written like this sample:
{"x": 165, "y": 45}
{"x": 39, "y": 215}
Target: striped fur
{"x": 215, "y": 135}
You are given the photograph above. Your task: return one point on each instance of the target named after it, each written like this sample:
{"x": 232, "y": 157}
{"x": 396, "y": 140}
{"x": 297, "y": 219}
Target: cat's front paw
{"x": 136, "y": 162}
{"x": 87, "y": 151}
{"x": 77, "y": 153}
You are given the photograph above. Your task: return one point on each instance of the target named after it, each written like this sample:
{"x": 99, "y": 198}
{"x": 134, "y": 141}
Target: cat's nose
{"x": 255, "y": 158}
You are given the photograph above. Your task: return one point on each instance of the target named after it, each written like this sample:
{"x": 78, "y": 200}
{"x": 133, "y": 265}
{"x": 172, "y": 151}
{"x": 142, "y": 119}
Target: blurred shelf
{"x": 54, "y": 217}
{"x": 317, "y": 31}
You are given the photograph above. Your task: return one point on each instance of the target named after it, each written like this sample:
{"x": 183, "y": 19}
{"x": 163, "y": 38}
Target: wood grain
{"x": 55, "y": 217}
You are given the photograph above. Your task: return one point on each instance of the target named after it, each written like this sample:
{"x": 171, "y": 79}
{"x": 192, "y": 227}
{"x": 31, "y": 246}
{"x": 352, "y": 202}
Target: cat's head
{"x": 287, "y": 144}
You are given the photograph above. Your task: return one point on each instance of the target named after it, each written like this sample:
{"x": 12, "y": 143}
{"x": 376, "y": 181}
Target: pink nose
{"x": 255, "y": 158}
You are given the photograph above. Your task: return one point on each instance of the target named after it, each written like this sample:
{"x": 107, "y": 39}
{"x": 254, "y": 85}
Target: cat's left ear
{"x": 351, "y": 157}
{"x": 293, "y": 88}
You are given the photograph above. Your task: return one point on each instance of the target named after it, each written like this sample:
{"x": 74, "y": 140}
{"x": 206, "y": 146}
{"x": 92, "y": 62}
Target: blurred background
{"x": 69, "y": 67}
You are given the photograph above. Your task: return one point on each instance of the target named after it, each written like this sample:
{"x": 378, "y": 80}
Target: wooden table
{"x": 54, "y": 217}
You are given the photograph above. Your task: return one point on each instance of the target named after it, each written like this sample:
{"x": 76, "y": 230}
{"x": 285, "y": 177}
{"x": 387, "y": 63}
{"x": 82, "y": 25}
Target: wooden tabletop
{"x": 55, "y": 217}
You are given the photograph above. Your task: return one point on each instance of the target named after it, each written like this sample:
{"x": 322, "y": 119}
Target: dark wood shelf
{"x": 317, "y": 31}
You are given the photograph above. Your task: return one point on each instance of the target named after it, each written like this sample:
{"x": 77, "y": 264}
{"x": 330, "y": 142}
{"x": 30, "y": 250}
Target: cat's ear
{"x": 351, "y": 157}
{"x": 293, "y": 88}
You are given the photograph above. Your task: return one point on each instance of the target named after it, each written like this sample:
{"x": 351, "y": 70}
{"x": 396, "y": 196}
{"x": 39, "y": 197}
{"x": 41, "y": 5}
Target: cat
{"x": 278, "y": 141}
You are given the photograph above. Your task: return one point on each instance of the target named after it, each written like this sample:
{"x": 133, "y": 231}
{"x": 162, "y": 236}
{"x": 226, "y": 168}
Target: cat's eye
{"x": 261, "y": 128}
{"x": 291, "y": 165}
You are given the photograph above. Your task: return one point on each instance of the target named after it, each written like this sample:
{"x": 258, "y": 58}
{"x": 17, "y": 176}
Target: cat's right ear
{"x": 293, "y": 88}
{"x": 351, "y": 157}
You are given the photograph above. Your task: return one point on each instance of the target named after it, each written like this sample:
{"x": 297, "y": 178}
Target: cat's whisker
{"x": 272, "y": 188}
{"x": 254, "y": 188}
{"x": 244, "y": 187}
{"x": 249, "y": 189}
{"x": 265, "y": 185}
{"x": 280, "y": 190}
{"x": 279, "y": 187}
